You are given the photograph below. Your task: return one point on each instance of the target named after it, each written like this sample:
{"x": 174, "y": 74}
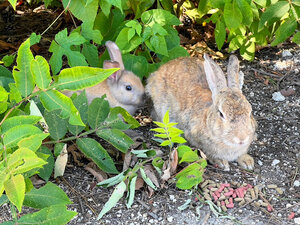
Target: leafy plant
{"x": 245, "y": 24}
{"x": 191, "y": 175}
{"x": 32, "y": 109}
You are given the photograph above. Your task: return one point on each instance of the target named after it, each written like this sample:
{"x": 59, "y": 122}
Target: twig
{"x": 265, "y": 73}
{"x": 56, "y": 19}
{"x": 283, "y": 77}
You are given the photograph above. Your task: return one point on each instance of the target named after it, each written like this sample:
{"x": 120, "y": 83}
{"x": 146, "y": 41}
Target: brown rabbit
{"x": 214, "y": 116}
{"x": 123, "y": 88}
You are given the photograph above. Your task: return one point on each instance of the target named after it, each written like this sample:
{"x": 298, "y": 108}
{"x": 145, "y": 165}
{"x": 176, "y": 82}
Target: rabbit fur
{"x": 214, "y": 115}
{"x": 123, "y": 88}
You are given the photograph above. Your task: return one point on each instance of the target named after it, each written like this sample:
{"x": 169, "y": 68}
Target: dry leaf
{"x": 98, "y": 176}
{"x": 149, "y": 170}
{"x": 61, "y": 162}
{"x": 127, "y": 160}
{"x": 173, "y": 161}
{"x": 288, "y": 92}
{"x": 139, "y": 183}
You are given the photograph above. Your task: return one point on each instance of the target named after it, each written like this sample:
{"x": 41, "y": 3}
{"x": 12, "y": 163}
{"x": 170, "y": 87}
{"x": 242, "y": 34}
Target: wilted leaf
{"x": 61, "y": 162}
{"x": 114, "y": 198}
{"x": 147, "y": 179}
{"x": 113, "y": 180}
{"x": 131, "y": 192}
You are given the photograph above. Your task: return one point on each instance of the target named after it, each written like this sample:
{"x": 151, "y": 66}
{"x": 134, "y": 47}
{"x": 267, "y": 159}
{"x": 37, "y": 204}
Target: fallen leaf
{"x": 173, "y": 161}
{"x": 127, "y": 160}
{"x": 98, "y": 176}
{"x": 139, "y": 183}
{"x": 61, "y": 162}
{"x": 150, "y": 172}
{"x": 288, "y": 92}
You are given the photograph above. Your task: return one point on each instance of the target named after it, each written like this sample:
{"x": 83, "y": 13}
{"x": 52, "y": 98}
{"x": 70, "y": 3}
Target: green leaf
{"x": 41, "y": 73}
{"x": 83, "y": 10}
{"x": 114, "y": 198}
{"x": 113, "y": 121}
{"x": 58, "y": 148}
{"x": 158, "y": 162}
{"x": 117, "y": 138}
{"x": 105, "y": 7}
{"x": 15, "y": 134}
{"x": 174, "y": 131}
{"x": 22, "y": 74}
{"x": 62, "y": 46}
{"x": 165, "y": 143}
{"x": 3, "y": 107}
{"x": 89, "y": 33}
{"x": 166, "y": 118}
{"x": 190, "y": 176}
{"x": 161, "y": 135}
{"x": 189, "y": 156}
{"x": 159, "y": 16}
{"x": 93, "y": 150}
{"x": 247, "y": 50}
{"x": 183, "y": 149}
{"x": 57, "y": 125}
{"x": 158, "y": 44}
{"x": 246, "y": 11}
{"x": 8, "y": 60}
{"x": 147, "y": 179}
{"x": 47, "y": 169}
{"x": 220, "y": 33}
{"x": 14, "y": 93}
{"x": 46, "y": 196}
{"x": 97, "y": 112}
{"x": 179, "y": 140}
{"x": 15, "y": 190}
{"x": 81, "y": 103}
{"x": 159, "y": 124}
{"x": 159, "y": 130}
{"x": 236, "y": 43}
{"x": 77, "y": 78}
{"x": 56, "y": 214}
{"x": 131, "y": 192}
{"x": 24, "y": 160}
{"x": 53, "y": 100}
{"x": 140, "y": 6}
{"x": 273, "y": 13}
{"x": 3, "y": 94}
{"x": 18, "y": 120}
{"x": 232, "y": 15}
{"x": 144, "y": 153}
{"x": 137, "y": 64}
{"x": 13, "y": 3}
{"x": 90, "y": 52}
{"x": 285, "y": 30}
{"x": 296, "y": 38}
{"x": 217, "y": 3}
{"x": 6, "y": 77}
{"x": 203, "y": 7}
{"x": 127, "y": 45}
{"x": 3, "y": 200}
{"x": 113, "y": 180}
{"x": 34, "y": 39}
{"x": 32, "y": 142}
{"x": 126, "y": 116}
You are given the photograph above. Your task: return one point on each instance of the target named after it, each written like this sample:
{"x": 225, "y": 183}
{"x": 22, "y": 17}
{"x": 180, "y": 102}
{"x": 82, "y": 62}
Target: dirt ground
{"x": 276, "y": 152}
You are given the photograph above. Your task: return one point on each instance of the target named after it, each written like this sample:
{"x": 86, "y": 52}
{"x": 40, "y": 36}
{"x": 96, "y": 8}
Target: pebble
{"x": 260, "y": 162}
{"x": 286, "y": 53}
{"x": 272, "y": 186}
{"x": 172, "y": 198}
{"x": 278, "y": 97}
{"x": 151, "y": 221}
{"x": 170, "y": 219}
{"x": 275, "y": 162}
{"x": 297, "y": 183}
{"x": 297, "y": 220}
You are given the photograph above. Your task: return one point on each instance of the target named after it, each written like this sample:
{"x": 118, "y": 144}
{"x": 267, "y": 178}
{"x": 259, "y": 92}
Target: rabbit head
{"x": 230, "y": 116}
{"x": 124, "y": 85}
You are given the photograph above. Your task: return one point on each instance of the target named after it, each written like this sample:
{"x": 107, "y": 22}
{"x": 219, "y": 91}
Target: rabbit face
{"x": 231, "y": 118}
{"x": 128, "y": 89}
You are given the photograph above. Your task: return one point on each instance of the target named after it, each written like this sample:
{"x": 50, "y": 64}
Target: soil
{"x": 276, "y": 152}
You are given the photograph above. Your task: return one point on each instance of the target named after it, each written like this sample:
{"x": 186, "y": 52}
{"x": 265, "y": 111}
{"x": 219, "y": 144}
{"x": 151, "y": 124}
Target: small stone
{"x": 272, "y": 186}
{"x": 119, "y": 215}
{"x": 297, "y": 220}
{"x": 172, "y": 198}
{"x": 275, "y": 162}
{"x": 278, "y": 97}
{"x": 260, "y": 162}
{"x": 286, "y": 53}
{"x": 151, "y": 221}
{"x": 170, "y": 219}
{"x": 279, "y": 191}
{"x": 296, "y": 183}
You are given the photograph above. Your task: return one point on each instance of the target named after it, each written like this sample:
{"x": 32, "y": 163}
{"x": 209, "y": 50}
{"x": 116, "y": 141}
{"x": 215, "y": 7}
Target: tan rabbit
{"x": 123, "y": 88}
{"x": 215, "y": 116}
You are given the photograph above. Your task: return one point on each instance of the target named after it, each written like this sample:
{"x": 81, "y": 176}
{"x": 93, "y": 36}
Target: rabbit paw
{"x": 246, "y": 161}
{"x": 222, "y": 163}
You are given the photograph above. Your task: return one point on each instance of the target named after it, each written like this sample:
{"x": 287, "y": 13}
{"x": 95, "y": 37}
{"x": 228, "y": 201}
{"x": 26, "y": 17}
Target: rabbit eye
{"x": 221, "y": 115}
{"x": 128, "y": 87}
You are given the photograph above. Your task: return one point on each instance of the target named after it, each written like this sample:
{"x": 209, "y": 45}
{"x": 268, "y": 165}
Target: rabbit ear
{"x": 115, "y": 53}
{"x": 214, "y": 75}
{"x": 108, "y": 64}
{"x": 234, "y": 78}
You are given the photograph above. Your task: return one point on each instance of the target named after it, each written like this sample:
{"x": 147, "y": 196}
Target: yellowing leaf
{"x": 15, "y": 190}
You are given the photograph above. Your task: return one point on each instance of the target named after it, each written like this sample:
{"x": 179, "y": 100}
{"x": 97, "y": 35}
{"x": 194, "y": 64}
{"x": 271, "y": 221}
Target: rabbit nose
{"x": 240, "y": 141}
